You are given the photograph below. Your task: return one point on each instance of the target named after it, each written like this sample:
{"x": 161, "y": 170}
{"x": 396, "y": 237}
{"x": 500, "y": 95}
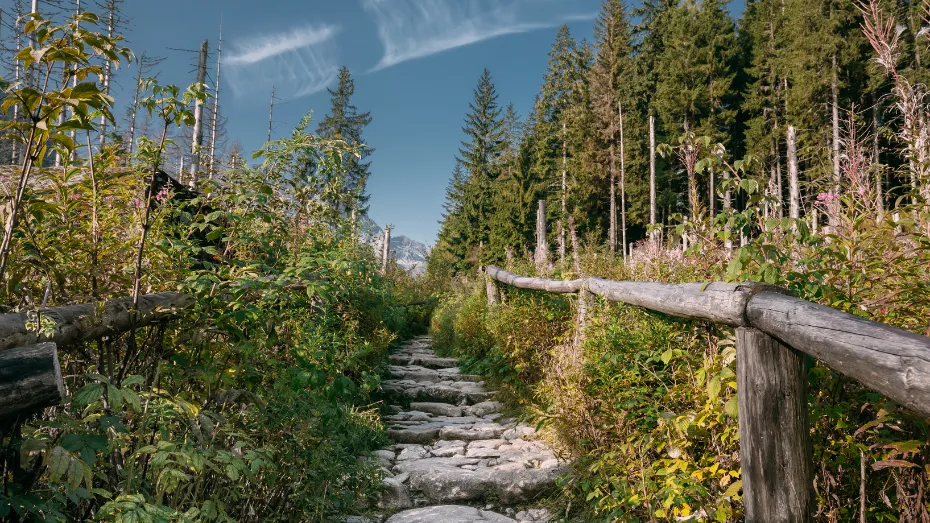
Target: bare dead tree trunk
{"x": 727, "y": 205}
{"x": 563, "y": 217}
{"x": 197, "y": 139}
{"x": 576, "y": 251}
{"x": 612, "y": 235}
{"x": 216, "y": 103}
{"x": 834, "y": 91}
{"x": 271, "y": 113}
{"x": 622, "y": 182}
{"x": 876, "y": 161}
{"x": 107, "y": 69}
{"x": 135, "y": 106}
{"x": 794, "y": 190}
{"x": 541, "y": 256}
{"x": 386, "y": 249}
{"x": 14, "y": 152}
{"x": 652, "y": 171}
{"x": 712, "y": 197}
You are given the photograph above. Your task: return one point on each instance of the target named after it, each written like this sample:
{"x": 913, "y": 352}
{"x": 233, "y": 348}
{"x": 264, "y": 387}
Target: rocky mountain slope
{"x": 411, "y": 254}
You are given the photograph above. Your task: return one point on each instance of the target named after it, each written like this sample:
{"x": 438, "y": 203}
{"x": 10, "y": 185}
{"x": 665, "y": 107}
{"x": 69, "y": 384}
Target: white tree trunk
{"x": 794, "y": 190}
{"x": 197, "y": 139}
{"x": 652, "y": 171}
{"x": 622, "y": 183}
{"x": 216, "y": 103}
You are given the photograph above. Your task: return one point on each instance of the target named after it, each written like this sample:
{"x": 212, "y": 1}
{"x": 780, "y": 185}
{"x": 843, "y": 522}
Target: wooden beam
{"x": 775, "y": 448}
{"x": 538, "y": 284}
{"x": 718, "y": 302}
{"x": 891, "y": 361}
{"x": 73, "y": 323}
{"x": 30, "y": 379}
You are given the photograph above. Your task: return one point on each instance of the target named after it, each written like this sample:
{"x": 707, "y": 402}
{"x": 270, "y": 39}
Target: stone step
{"x": 465, "y": 514}
{"x": 423, "y": 374}
{"x": 511, "y": 470}
{"x": 425, "y": 360}
{"x": 454, "y": 392}
{"x": 453, "y": 445}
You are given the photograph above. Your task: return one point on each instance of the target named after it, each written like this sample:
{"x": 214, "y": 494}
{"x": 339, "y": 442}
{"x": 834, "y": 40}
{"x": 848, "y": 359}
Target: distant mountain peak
{"x": 411, "y": 254}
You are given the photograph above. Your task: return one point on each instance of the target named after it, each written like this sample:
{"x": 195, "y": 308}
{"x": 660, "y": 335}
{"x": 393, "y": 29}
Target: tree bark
{"x": 30, "y": 379}
{"x": 652, "y": 172}
{"x": 834, "y": 92}
{"x": 385, "y": 249}
{"x": 876, "y": 161}
{"x": 622, "y": 183}
{"x": 612, "y": 234}
{"x": 107, "y": 70}
{"x": 197, "y": 138}
{"x": 216, "y": 103}
{"x": 541, "y": 256}
{"x": 794, "y": 190}
{"x": 775, "y": 447}
{"x": 564, "y": 215}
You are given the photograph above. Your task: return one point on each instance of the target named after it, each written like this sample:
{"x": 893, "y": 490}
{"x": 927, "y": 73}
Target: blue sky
{"x": 415, "y": 63}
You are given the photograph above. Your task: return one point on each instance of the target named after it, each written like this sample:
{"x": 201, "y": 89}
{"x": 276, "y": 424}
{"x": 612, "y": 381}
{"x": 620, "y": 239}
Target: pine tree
{"x": 696, "y": 71}
{"x": 344, "y": 122}
{"x": 479, "y": 155}
{"x": 609, "y": 93}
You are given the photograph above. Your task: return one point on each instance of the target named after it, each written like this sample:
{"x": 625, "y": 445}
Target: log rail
{"x": 774, "y": 332}
{"x": 30, "y": 375}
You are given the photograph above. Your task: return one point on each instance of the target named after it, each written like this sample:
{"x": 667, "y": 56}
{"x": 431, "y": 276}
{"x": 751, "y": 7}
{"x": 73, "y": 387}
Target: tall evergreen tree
{"x": 344, "y": 122}
{"x": 479, "y": 155}
{"x": 610, "y": 77}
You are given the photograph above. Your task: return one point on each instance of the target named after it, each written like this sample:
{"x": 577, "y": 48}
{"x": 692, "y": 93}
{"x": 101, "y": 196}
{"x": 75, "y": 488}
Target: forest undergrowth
{"x": 255, "y": 404}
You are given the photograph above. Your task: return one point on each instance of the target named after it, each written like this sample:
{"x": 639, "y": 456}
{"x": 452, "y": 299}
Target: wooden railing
{"x": 30, "y": 374}
{"x": 773, "y": 332}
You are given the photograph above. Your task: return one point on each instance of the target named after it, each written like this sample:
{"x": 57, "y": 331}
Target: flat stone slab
{"x": 438, "y": 409}
{"x": 449, "y": 514}
{"x": 453, "y": 445}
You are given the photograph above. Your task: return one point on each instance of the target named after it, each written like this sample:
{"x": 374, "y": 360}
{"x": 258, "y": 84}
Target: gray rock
{"x": 484, "y": 408}
{"x": 410, "y": 453}
{"x": 448, "y": 514}
{"x": 394, "y": 496}
{"x": 421, "y": 434}
{"x": 439, "y": 409}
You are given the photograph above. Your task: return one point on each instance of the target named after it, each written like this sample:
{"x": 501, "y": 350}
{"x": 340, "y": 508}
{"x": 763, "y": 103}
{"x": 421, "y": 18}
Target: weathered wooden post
{"x": 585, "y": 300}
{"x": 775, "y": 448}
{"x": 30, "y": 379}
{"x": 541, "y": 256}
{"x": 491, "y": 288}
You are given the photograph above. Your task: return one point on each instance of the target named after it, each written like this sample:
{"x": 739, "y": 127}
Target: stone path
{"x": 456, "y": 458}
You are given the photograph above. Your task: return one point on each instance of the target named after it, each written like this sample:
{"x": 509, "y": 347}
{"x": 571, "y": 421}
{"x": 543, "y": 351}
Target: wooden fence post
{"x": 775, "y": 447}
{"x": 585, "y": 299}
{"x": 491, "y": 288}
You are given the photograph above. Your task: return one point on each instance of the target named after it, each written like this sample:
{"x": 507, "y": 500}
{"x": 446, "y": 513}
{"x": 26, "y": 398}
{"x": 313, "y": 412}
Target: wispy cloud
{"x": 299, "y": 61}
{"x": 411, "y": 29}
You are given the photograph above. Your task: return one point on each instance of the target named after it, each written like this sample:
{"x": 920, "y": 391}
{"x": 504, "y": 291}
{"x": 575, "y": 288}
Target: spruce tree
{"x": 610, "y": 78}
{"x": 344, "y": 122}
{"x": 479, "y": 155}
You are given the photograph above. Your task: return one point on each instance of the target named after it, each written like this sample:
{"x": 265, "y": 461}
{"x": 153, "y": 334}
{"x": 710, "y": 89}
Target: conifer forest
{"x": 692, "y": 283}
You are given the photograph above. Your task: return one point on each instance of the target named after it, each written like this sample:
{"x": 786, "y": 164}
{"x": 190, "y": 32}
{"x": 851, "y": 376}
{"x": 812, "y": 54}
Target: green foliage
{"x": 257, "y": 404}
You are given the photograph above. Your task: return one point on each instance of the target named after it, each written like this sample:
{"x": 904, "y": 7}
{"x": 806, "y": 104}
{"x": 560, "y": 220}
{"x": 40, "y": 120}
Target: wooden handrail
{"x": 773, "y": 328}
{"x": 30, "y": 379}
{"x": 88, "y": 321}
{"x": 892, "y": 361}
{"x": 30, "y": 375}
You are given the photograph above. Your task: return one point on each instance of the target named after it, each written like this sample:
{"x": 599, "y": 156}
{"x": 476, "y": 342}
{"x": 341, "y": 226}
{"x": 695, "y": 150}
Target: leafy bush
{"x": 257, "y": 404}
